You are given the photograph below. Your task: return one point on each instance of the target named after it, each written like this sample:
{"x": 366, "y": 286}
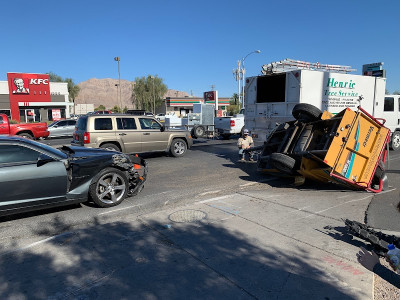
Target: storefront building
{"x": 184, "y": 105}
{"x": 26, "y": 97}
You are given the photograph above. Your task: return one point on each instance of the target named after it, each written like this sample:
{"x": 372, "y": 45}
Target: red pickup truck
{"x": 27, "y": 130}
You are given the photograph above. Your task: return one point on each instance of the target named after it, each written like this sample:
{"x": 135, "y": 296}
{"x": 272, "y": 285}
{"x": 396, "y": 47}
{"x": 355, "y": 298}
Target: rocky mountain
{"x": 105, "y": 92}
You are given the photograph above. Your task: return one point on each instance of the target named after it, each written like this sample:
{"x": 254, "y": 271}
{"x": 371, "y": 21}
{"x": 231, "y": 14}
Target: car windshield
{"x": 47, "y": 148}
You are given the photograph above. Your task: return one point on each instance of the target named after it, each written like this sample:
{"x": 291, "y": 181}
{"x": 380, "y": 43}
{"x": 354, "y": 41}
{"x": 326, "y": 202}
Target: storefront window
{"x": 7, "y": 112}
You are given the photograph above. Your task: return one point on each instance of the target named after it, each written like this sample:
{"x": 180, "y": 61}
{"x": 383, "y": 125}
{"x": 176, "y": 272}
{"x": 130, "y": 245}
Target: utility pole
{"x": 154, "y": 97}
{"x": 117, "y": 59}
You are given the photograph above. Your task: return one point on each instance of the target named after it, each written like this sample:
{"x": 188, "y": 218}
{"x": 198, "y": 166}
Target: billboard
{"x": 26, "y": 87}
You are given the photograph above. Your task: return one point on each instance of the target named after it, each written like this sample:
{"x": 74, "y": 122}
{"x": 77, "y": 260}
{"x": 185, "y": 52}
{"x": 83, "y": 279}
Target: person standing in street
{"x": 245, "y": 142}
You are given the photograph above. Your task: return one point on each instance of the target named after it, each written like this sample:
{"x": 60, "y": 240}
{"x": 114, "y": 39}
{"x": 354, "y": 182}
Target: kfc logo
{"x": 20, "y": 86}
{"x": 39, "y": 81}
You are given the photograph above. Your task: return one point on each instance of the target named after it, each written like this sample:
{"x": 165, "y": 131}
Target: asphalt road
{"x": 209, "y": 169}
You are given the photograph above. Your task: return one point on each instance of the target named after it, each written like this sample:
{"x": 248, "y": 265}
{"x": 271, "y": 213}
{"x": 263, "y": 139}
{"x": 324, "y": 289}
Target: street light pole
{"x": 154, "y": 98}
{"x": 237, "y": 75}
{"x": 119, "y": 81}
{"x": 244, "y": 71}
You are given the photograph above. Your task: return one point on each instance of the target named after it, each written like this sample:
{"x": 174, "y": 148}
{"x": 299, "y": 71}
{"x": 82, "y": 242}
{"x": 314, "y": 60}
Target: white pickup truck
{"x": 226, "y": 126}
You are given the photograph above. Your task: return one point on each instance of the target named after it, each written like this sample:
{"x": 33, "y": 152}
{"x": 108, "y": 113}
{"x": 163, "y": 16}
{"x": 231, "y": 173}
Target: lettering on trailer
{"x": 39, "y": 81}
{"x": 340, "y": 84}
{"x": 368, "y": 135}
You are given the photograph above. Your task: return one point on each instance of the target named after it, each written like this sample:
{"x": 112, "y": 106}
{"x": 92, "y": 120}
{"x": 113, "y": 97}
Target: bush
{"x": 13, "y": 122}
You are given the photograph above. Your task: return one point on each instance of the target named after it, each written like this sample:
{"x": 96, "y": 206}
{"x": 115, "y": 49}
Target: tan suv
{"x": 129, "y": 134}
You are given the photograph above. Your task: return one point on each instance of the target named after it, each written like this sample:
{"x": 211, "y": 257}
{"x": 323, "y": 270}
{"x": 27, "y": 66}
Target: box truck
{"x": 271, "y": 97}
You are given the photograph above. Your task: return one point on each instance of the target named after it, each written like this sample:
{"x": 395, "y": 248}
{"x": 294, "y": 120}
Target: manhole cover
{"x": 187, "y": 216}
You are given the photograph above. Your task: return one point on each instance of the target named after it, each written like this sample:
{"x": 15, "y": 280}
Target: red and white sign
{"x": 210, "y": 96}
{"x": 25, "y": 87}
{"x": 56, "y": 114}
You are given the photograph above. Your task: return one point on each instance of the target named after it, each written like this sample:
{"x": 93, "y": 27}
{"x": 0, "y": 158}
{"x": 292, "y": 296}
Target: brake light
{"x": 232, "y": 123}
{"x": 86, "y": 138}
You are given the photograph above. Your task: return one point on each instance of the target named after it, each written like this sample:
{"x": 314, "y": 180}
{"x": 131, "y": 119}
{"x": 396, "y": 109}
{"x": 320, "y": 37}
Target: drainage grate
{"x": 187, "y": 216}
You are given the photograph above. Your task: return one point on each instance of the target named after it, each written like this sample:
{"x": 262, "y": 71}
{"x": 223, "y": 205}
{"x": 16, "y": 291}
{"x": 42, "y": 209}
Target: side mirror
{"x": 44, "y": 159}
{"x": 162, "y": 129}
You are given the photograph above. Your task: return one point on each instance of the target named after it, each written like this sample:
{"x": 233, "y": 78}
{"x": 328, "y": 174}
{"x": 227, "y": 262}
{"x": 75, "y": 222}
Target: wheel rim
{"x": 199, "y": 131}
{"x": 396, "y": 141}
{"x": 179, "y": 148}
{"x": 110, "y": 188}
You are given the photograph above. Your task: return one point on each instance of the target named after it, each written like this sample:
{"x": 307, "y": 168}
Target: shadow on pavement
{"x": 144, "y": 261}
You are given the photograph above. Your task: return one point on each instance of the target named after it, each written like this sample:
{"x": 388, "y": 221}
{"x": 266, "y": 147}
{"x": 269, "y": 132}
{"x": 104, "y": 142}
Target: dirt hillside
{"x": 104, "y": 92}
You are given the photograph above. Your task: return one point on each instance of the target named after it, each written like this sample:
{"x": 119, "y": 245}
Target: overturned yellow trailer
{"x": 349, "y": 148}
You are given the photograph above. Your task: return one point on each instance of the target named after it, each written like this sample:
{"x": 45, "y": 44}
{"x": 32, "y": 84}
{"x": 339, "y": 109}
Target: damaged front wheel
{"x": 110, "y": 188}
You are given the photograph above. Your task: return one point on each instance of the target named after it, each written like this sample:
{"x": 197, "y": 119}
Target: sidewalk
{"x": 249, "y": 245}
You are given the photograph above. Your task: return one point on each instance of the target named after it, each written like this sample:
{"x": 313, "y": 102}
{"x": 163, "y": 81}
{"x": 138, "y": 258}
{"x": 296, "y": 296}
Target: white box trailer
{"x": 269, "y": 99}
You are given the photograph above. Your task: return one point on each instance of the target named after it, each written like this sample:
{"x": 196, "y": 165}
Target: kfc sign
{"x": 39, "y": 81}
{"x": 27, "y": 88}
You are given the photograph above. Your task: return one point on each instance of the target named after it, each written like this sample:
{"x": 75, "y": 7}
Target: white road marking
{"x": 214, "y": 199}
{"x": 324, "y": 210}
{"x": 209, "y": 192}
{"x": 111, "y": 211}
{"x": 36, "y": 243}
{"x": 383, "y": 192}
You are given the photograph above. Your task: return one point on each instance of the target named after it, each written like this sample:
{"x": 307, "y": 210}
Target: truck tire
{"x": 283, "y": 163}
{"x": 226, "y": 136}
{"x": 193, "y": 134}
{"x": 199, "y": 130}
{"x": 25, "y": 135}
{"x": 305, "y": 112}
{"x": 178, "y": 148}
{"x": 110, "y": 147}
{"x": 395, "y": 141}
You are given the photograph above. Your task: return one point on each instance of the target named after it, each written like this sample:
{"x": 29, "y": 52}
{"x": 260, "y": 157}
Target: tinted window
{"x": 82, "y": 123}
{"x": 149, "y": 124}
{"x": 71, "y": 123}
{"x": 102, "y": 124}
{"x": 389, "y": 104}
{"x": 271, "y": 88}
{"x": 62, "y": 123}
{"x": 16, "y": 154}
{"x": 6, "y": 112}
{"x": 126, "y": 123}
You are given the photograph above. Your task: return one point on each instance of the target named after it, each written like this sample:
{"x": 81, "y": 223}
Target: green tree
{"x": 116, "y": 109}
{"x": 396, "y": 92}
{"x": 234, "y": 106}
{"x": 73, "y": 89}
{"x": 101, "y": 107}
{"x": 148, "y": 90}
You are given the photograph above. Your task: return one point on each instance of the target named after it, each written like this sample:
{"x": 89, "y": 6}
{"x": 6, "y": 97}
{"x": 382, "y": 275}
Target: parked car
{"x": 130, "y": 134}
{"x": 34, "y": 176}
{"x": 348, "y": 148}
{"x": 62, "y": 128}
{"x": 26, "y": 130}
{"x": 103, "y": 112}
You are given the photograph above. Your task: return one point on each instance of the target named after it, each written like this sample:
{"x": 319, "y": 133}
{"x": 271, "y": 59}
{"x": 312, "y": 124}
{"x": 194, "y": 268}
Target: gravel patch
{"x": 383, "y": 289}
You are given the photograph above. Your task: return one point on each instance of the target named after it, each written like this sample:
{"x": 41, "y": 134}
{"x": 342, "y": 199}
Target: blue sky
{"x": 195, "y": 44}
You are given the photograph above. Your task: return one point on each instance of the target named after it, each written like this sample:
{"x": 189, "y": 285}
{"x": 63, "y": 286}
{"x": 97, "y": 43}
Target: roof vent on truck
{"x": 291, "y": 65}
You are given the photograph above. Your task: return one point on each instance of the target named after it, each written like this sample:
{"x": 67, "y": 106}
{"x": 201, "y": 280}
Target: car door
{"x": 153, "y": 139}
{"x": 58, "y": 129}
{"x": 129, "y": 135}
{"x": 23, "y": 183}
